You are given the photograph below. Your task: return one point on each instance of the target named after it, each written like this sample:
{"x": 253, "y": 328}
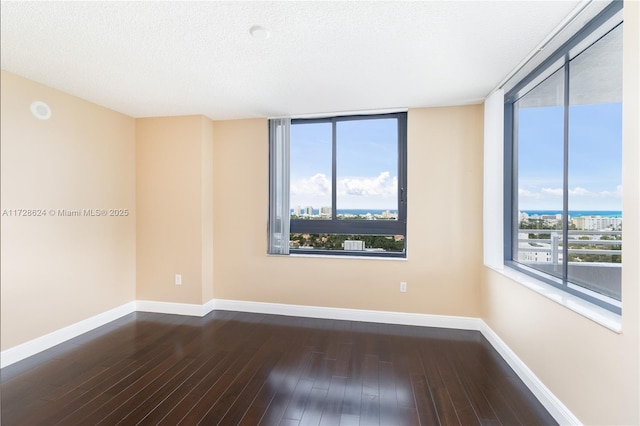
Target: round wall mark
{"x": 40, "y": 110}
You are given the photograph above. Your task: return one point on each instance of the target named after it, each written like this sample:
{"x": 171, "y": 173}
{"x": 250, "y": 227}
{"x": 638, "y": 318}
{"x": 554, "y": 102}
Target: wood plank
{"x": 291, "y": 361}
{"x": 426, "y": 410}
{"x": 389, "y": 414}
{"x": 333, "y": 402}
{"x": 284, "y": 386}
{"x": 200, "y": 399}
{"x": 167, "y": 397}
{"x": 245, "y": 398}
{"x": 439, "y": 392}
{"x": 313, "y": 408}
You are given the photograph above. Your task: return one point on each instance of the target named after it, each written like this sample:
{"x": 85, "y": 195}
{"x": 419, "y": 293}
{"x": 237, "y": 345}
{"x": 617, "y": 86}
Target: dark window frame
{"x": 593, "y": 31}
{"x": 358, "y": 227}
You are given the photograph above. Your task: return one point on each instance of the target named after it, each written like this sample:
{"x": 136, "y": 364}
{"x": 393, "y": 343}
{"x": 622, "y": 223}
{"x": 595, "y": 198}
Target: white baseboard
{"x": 388, "y": 317}
{"x": 555, "y": 407}
{"x": 32, "y": 347}
{"x": 189, "y": 309}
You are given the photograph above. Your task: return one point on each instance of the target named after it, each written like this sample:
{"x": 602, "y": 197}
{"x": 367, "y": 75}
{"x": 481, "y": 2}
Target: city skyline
{"x": 530, "y": 212}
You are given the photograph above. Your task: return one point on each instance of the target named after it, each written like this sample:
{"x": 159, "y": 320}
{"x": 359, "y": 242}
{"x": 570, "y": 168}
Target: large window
{"x": 348, "y": 191}
{"x": 564, "y": 154}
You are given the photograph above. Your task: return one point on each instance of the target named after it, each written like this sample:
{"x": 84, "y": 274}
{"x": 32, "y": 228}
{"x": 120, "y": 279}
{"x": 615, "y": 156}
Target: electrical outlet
{"x": 403, "y": 287}
{"x": 178, "y": 279}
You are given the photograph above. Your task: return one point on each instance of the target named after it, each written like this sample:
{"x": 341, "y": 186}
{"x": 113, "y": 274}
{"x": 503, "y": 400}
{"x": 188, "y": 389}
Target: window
{"x": 347, "y": 185}
{"x": 563, "y": 151}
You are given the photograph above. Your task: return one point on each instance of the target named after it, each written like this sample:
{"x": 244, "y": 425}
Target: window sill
{"x": 329, "y": 256}
{"x": 588, "y": 310}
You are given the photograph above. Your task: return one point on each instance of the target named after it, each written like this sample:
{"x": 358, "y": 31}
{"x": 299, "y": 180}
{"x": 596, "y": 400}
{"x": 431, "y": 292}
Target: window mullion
{"x": 565, "y": 179}
{"x": 334, "y": 172}
{"x": 402, "y": 169}
{"x": 512, "y": 225}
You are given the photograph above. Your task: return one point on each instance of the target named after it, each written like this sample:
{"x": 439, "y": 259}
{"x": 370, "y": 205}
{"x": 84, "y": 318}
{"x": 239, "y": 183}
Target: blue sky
{"x": 367, "y": 158}
{"x": 367, "y": 161}
{"x": 595, "y": 157}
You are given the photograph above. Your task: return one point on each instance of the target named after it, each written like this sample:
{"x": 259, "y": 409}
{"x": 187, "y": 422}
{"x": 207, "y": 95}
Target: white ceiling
{"x": 178, "y": 58}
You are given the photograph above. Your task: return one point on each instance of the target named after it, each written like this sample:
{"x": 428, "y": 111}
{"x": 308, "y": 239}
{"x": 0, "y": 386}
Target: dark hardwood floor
{"x": 232, "y": 368}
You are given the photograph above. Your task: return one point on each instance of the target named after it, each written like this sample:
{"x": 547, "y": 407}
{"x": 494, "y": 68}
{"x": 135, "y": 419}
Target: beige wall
{"x": 206, "y": 216}
{"x": 445, "y": 173}
{"x": 175, "y": 209}
{"x": 594, "y": 371}
{"x": 60, "y": 270}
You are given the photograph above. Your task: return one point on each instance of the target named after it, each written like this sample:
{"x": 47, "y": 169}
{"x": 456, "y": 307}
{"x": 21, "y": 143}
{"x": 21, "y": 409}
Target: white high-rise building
{"x": 597, "y": 223}
{"x": 354, "y": 245}
{"x": 296, "y": 211}
{"x": 308, "y": 210}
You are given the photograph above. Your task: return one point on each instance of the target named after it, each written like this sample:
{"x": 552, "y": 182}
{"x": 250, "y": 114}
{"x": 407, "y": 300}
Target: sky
{"x": 367, "y": 161}
{"x": 595, "y": 157}
{"x": 594, "y": 178}
{"x": 367, "y": 164}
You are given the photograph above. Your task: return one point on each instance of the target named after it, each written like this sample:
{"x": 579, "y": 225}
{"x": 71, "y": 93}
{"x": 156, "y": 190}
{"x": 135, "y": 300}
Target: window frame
{"x": 352, "y": 226}
{"x": 606, "y": 21}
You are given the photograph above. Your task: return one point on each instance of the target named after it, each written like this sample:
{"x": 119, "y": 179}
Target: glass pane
{"x": 367, "y": 169}
{"x": 310, "y": 190}
{"x": 355, "y": 243}
{"x": 539, "y": 118}
{"x": 595, "y": 166}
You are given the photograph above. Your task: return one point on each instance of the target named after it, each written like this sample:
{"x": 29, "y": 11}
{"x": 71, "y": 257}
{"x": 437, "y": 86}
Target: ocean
{"x": 576, "y": 213}
{"x": 572, "y": 213}
{"x": 355, "y": 212}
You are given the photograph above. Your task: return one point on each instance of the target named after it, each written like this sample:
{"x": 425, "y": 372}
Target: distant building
{"x": 536, "y": 252}
{"x": 598, "y": 223}
{"x": 308, "y": 210}
{"x": 354, "y": 245}
{"x": 296, "y": 211}
{"x": 325, "y": 211}
{"x": 535, "y": 256}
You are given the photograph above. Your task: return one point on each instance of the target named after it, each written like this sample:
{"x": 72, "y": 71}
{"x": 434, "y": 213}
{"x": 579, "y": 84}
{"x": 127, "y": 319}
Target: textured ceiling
{"x": 176, "y": 58}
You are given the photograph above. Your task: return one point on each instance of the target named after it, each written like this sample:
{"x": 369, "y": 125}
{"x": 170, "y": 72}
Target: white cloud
{"x": 353, "y": 192}
{"x": 381, "y": 185}
{"x": 557, "y": 192}
{"x": 317, "y": 184}
{"x": 579, "y": 191}
{"x": 617, "y": 193}
{"x": 526, "y": 193}
{"x": 548, "y": 198}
